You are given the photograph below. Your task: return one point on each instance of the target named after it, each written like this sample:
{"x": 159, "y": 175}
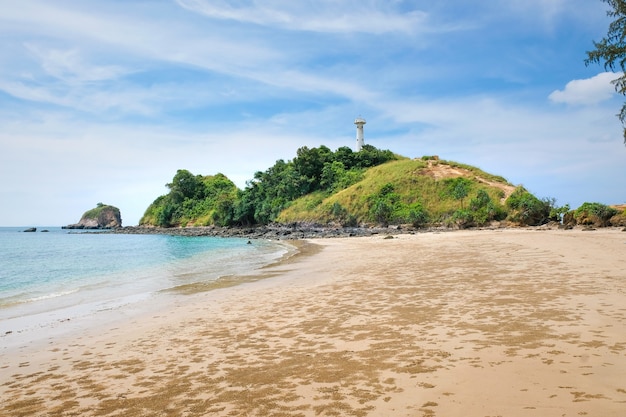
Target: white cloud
{"x": 70, "y": 66}
{"x": 316, "y": 16}
{"x": 587, "y": 91}
{"x": 105, "y": 100}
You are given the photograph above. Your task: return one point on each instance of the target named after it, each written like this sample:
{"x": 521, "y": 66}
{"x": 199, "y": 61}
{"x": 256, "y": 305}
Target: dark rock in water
{"x": 31, "y": 229}
{"x": 45, "y": 231}
{"x": 74, "y": 226}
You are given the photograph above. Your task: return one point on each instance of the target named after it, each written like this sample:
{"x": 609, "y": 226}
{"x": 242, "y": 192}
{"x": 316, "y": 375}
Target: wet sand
{"x": 468, "y": 323}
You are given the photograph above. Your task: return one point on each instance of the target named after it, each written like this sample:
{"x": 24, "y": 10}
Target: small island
{"x": 103, "y": 216}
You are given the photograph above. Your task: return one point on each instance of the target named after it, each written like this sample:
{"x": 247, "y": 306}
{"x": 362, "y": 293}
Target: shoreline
{"x": 472, "y": 323}
{"x": 305, "y": 231}
{"x": 29, "y": 321}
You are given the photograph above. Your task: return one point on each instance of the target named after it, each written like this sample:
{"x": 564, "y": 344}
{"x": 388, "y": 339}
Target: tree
{"x": 458, "y": 188}
{"x": 185, "y": 185}
{"x": 612, "y": 50}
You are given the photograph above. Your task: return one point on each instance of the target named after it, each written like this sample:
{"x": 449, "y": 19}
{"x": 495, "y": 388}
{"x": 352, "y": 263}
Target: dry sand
{"x": 479, "y": 323}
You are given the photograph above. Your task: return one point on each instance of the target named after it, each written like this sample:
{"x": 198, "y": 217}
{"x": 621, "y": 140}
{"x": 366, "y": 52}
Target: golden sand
{"x": 478, "y": 323}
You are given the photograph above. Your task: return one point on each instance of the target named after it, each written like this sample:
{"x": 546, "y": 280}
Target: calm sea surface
{"x": 45, "y": 272}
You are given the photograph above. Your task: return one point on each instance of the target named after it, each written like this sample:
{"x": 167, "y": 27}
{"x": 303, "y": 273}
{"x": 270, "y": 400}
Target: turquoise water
{"x": 43, "y": 272}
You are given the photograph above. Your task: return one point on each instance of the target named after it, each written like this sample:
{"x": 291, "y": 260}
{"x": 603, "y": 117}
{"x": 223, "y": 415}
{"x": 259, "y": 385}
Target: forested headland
{"x": 370, "y": 187}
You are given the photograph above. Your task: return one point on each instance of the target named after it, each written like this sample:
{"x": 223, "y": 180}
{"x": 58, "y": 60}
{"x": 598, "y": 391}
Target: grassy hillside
{"x": 424, "y": 191}
{"x": 349, "y": 188}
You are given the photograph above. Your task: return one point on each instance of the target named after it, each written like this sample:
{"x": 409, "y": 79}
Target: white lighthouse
{"x": 359, "y": 122}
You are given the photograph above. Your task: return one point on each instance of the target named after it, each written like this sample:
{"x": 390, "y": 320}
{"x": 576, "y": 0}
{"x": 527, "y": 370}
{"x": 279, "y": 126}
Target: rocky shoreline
{"x": 310, "y": 231}
{"x": 284, "y": 232}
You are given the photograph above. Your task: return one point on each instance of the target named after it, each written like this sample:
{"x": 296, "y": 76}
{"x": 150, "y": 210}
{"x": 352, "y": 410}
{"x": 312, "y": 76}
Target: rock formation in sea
{"x": 102, "y": 217}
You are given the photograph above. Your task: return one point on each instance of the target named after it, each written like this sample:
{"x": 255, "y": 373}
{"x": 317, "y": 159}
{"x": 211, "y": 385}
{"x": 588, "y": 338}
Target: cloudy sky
{"x": 102, "y": 101}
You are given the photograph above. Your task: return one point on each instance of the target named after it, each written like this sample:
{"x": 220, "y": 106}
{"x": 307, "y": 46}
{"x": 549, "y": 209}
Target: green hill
{"x": 193, "y": 200}
{"x": 369, "y": 187}
{"x": 420, "y": 192}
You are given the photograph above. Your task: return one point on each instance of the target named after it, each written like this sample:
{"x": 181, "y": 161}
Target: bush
{"x": 341, "y": 215}
{"x": 418, "y": 216}
{"x": 457, "y": 188}
{"x": 383, "y": 204}
{"x": 557, "y": 213}
{"x": 596, "y": 214}
{"x": 484, "y": 209}
{"x": 462, "y": 219}
{"x": 526, "y": 209}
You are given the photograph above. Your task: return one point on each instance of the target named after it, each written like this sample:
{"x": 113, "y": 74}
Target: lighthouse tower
{"x": 359, "y": 122}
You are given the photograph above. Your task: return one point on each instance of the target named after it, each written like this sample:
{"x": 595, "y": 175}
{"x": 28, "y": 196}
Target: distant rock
{"x": 30, "y": 229}
{"x": 102, "y": 217}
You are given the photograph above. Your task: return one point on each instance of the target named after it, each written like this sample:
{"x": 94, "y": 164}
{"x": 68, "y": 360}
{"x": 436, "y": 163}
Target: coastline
{"x": 28, "y": 315}
{"x": 304, "y": 231}
{"x": 491, "y": 322}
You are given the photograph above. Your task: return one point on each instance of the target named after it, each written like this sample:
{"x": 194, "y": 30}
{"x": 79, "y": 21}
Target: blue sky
{"x": 102, "y": 101}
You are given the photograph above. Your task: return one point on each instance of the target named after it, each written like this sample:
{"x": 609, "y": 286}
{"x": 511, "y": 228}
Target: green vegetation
{"x": 408, "y": 191}
{"x": 345, "y": 188}
{"x": 215, "y": 200}
{"x": 203, "y": 201}
{"x": 315, "y": 170}
{"x": 594, "y": 214}
{"x": 612, "y": 51}
{"x": 94, "y": 213}
{"x": 527, "y": 209}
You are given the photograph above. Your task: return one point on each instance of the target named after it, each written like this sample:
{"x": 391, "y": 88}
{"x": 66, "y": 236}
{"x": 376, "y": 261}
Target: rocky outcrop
{"x": 101, "y": 217}
{"x": 30, "y": 230}
{"x": 293, "y": 231}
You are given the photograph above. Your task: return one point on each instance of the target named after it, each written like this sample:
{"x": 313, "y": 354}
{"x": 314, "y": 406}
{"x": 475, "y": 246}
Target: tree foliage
{"x": 216, "y": 200}
{"x": 594, "y": 213}
{"x": 527, "y": 209}
{"x": 458, "y": 188}
{"x": 312, "y": 170}
{"x": 194, "y": 198}
{"x": 611, "y": 50}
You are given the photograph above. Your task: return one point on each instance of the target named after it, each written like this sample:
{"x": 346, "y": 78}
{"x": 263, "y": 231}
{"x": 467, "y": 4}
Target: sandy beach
{"x": 514, "y": 322}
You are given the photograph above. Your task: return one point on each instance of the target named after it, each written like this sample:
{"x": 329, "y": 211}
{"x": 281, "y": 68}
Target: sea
{"x": 57, "y": 275}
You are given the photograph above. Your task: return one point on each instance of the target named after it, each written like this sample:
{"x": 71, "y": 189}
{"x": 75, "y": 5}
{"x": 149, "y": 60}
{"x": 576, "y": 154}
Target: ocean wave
{"x": 21, "y": 299}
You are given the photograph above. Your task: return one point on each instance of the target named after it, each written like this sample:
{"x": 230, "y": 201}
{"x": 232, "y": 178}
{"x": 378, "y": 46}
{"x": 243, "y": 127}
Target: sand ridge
{"x": 477, "y": 323}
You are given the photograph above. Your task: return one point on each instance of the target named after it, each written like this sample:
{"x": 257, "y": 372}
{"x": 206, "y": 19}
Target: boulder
{"x": 30, "y": 229}
{"x": 101, "y": 217}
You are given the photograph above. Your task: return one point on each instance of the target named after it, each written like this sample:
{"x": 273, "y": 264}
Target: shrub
{"x": 462, "y": 219}
{"x": 418, "y": 216}
{"x": 457, "y": 188}
{"x": 526, "y": 209}
{"x": 383, "y": 204}
{"x": 484, "y": 209}
{"x": 596, "y": 214}
{"x": 341, "y": 215}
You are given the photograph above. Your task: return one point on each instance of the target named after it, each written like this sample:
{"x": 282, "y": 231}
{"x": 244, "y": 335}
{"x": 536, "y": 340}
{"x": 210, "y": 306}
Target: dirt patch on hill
{"x": 441, "y": 171}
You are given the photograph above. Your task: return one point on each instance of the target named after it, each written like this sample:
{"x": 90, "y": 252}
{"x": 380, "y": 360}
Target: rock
{"x": 101, "y": 217}
{"x": 45, "y": 231}
{"x": 293, "y": 231}
{"x": 30, "y": 229}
